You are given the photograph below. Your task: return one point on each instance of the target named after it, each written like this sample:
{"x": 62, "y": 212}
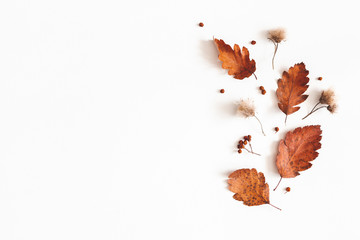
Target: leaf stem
{"x": 260, "y": 124}
{"x": 278, "y": 183}
{"x": 255, "y": 76}
{"x": 285, "y": 119}
{"x": 274, "y": 206}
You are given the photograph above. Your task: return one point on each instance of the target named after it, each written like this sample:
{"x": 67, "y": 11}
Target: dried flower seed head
{"x": 246, "y": 108}
{"x": 327, "y": 97}
{"x": 277, "y": 35}
{"x": 332, "y": 108}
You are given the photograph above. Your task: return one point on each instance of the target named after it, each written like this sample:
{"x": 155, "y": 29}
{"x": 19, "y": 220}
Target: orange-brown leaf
{"x": 297, "y": 150}
{"x": 236, "y": 61}
{"x": 291, "y": 87}
{"x": 249, "y": 186}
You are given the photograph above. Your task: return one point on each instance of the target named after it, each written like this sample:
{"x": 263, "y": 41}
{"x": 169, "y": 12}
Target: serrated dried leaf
{"x": 235, "y": 60}
{"x": 249, "y": 186}
{"x": 297, "y": 151}
{"x": 291, "y": 87}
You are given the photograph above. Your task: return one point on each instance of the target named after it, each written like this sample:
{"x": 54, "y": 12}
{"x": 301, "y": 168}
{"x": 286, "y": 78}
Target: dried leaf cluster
{"x": 299, "y": 147}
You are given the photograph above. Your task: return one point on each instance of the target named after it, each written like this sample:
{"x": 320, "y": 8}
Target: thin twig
{"x": 312, "y": 111}
{"x": 276, "y": 48}
{"x": 274, "y": 206}
{"x": 278, "y": 183}
{"x": 260, "y": 124}
{"x": 250, "y": 147}
{"x": 255, "y": 76}
{"x": 251, "y": 151}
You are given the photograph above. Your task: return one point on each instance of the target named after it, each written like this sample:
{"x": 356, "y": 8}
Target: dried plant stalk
{"x": 276, "y": 36}
{"x": 327, "y": 98}
{"x": 247, "y": 109}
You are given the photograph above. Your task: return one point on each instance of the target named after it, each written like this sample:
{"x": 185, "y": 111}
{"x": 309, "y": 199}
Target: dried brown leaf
{"x": 249, "y": 186}
{"x": 291, "y": 87}
{"x": 297, "y": 151}
{"x": 235, "y": 60}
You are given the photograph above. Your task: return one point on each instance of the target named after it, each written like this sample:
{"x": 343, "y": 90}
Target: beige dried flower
{"x": 332, "y": 108}
{"x": 247, "y": 109}
{"x": 327, "y": 98}
{"x": 276, "y": 36}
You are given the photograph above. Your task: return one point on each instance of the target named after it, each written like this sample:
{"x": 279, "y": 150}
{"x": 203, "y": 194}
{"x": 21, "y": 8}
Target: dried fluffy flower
{"x": 277, "y": 35}
{"x": 327, "y": 97}
{"x": 332, "y": 108}
{"x": 246, "y": 108}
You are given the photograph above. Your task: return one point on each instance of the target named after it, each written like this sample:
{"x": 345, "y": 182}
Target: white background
{"x": 112, "y": 125}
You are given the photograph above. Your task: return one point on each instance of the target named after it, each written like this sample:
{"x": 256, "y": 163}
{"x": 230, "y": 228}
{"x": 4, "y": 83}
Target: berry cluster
{"x": 262, "y": 89}
{"x": 242, "y": 145}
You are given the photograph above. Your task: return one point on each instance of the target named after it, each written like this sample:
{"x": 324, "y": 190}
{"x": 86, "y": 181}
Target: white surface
{"x": 112, "y": 127}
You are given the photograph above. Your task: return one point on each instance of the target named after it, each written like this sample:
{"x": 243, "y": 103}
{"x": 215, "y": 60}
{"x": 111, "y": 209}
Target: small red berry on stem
{"x": 276, "y": 129}
{"x": 261, "y": 88}
{"x": 201, "y": 24}
{"x": 263, "y": 92}
{"x": 222, "y": 90}
{"x": 319, "y": 78}
{"x": 287, "y": 189}
{"x": 239, "y": 151}
{"x": 253, "y": 42}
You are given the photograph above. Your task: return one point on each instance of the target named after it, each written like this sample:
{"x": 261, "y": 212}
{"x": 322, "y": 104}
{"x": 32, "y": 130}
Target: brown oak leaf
{"x": 236, "y": 61}
{"x": 249, "y": 186}
{"x": 291, "y": 87}
{"x": 297, "y": 150}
